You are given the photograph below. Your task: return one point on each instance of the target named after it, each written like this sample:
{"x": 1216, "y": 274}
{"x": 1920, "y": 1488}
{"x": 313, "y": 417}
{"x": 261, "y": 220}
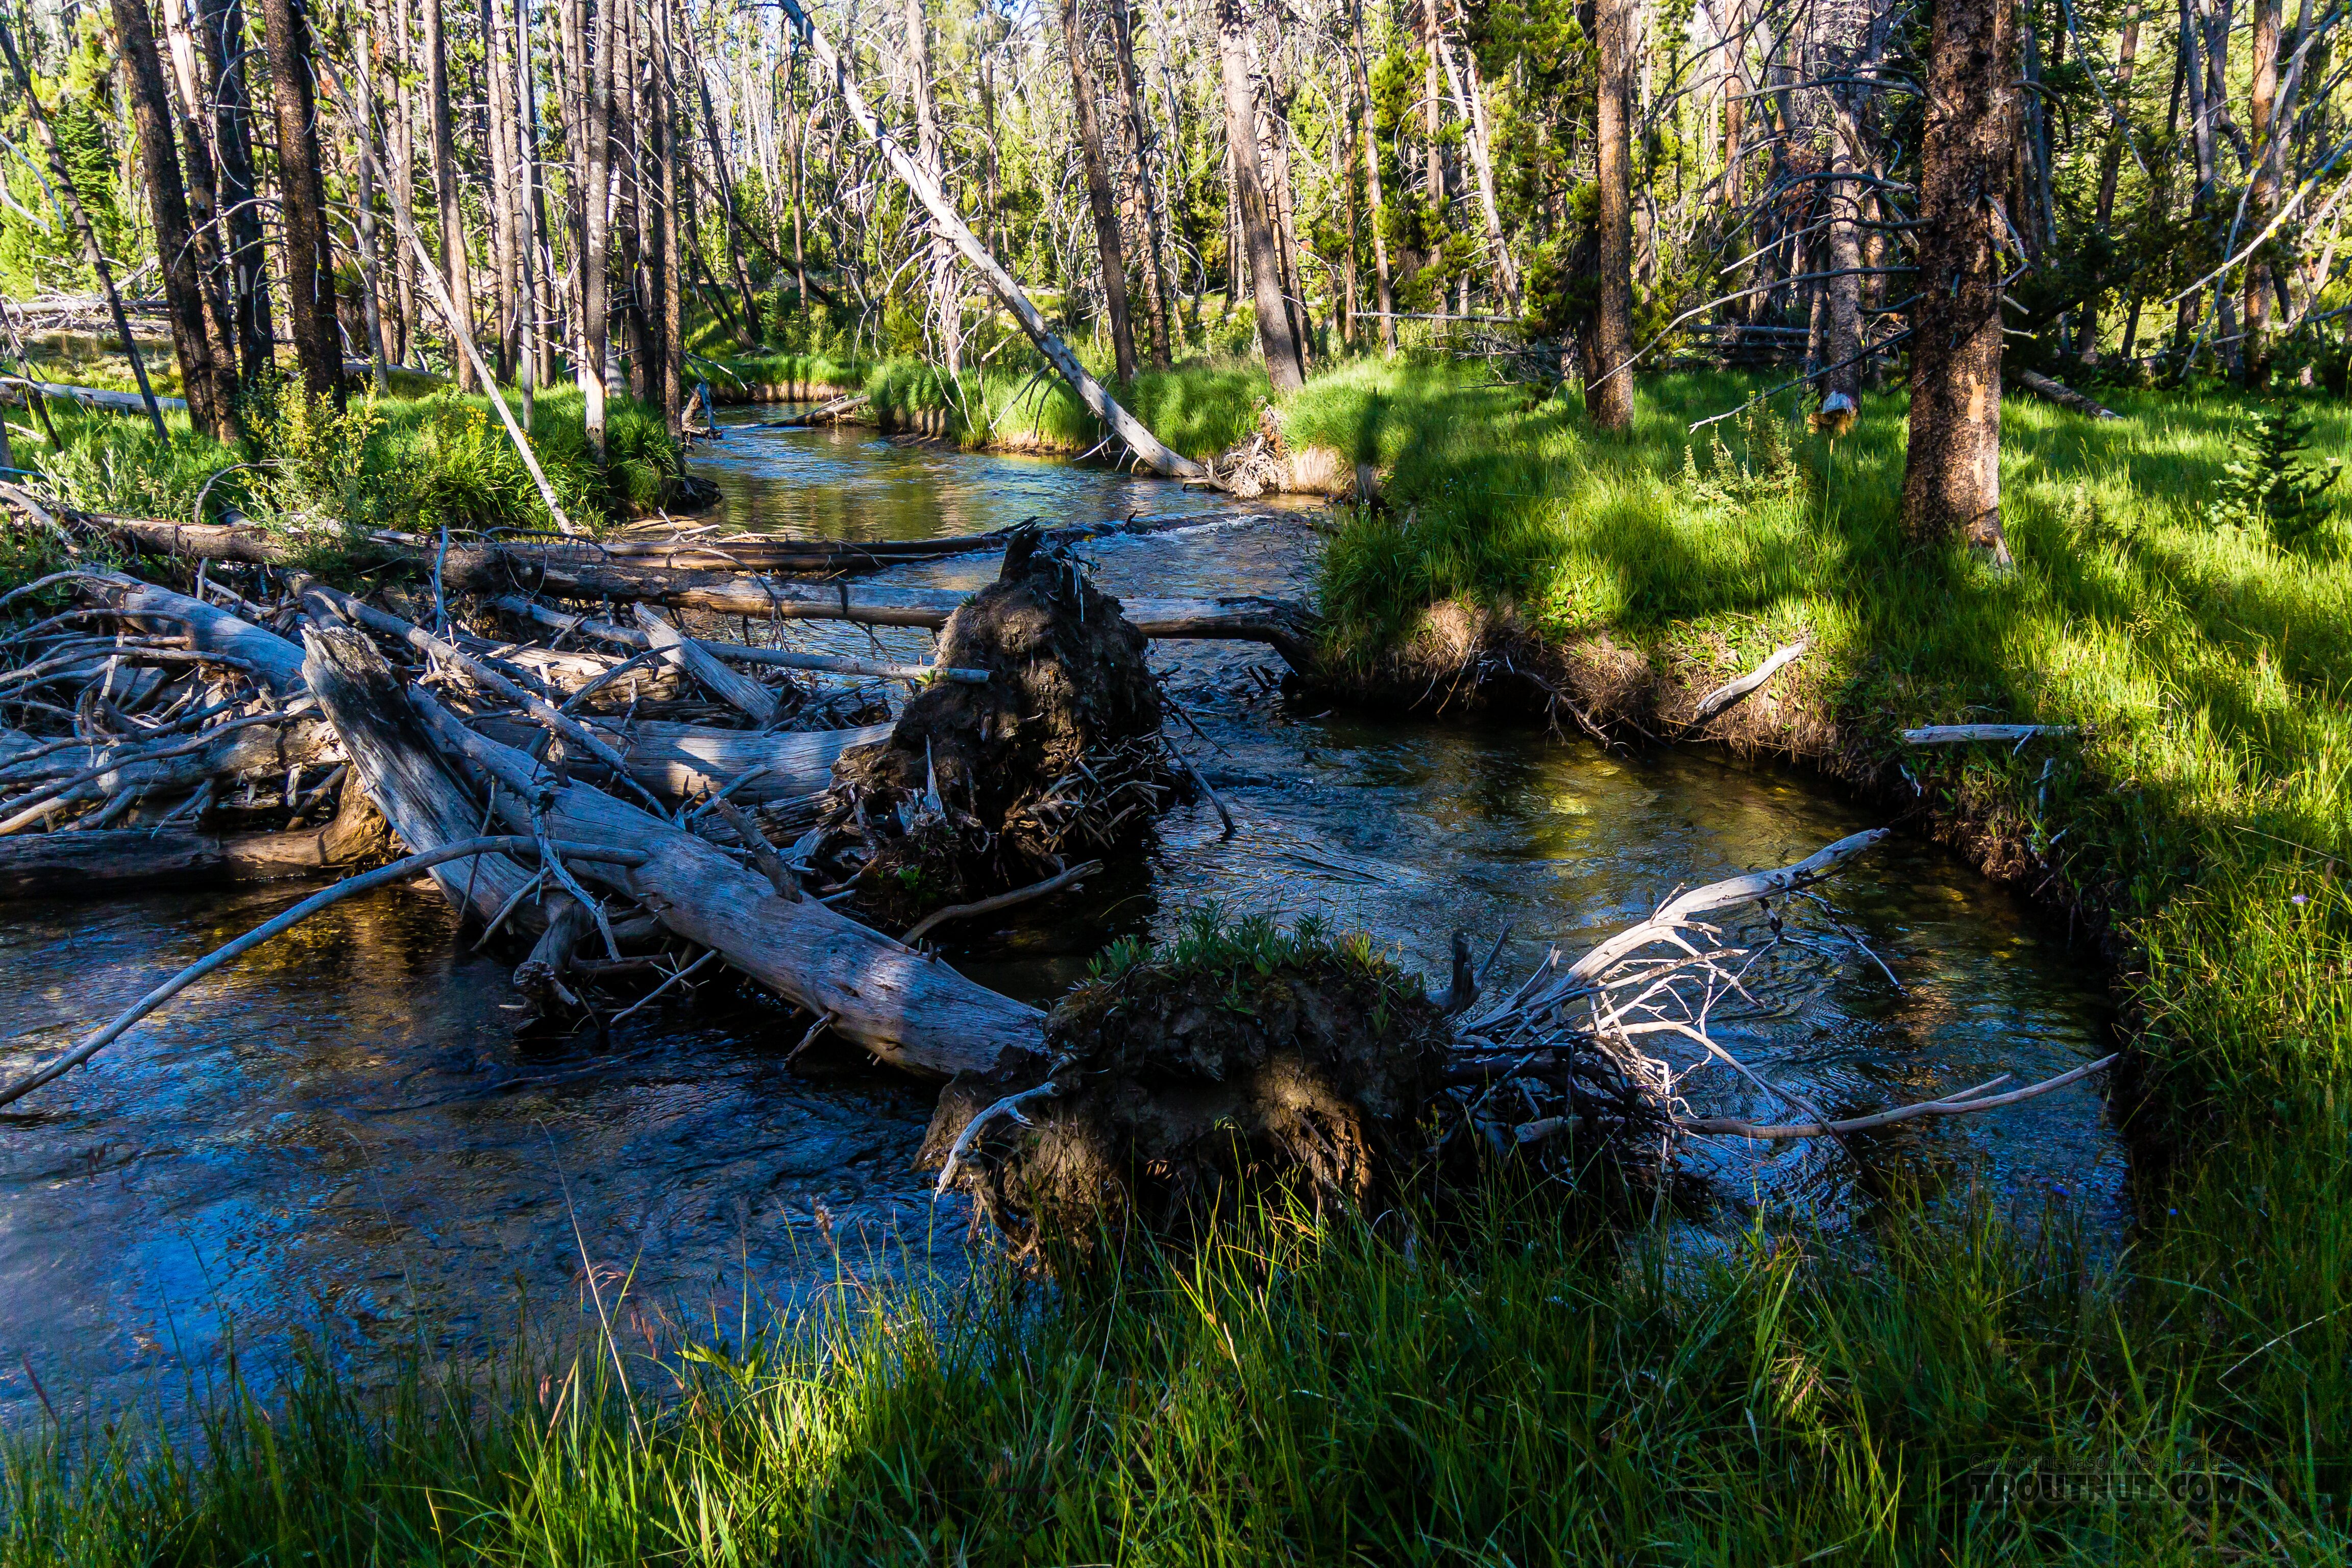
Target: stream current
{"x": 341, "y": 1136}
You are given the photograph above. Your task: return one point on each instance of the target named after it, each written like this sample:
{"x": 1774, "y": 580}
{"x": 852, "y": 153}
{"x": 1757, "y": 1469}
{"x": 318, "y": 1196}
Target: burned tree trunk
{"x": 223, "y": 25}
{"x": 1951, "y": 473}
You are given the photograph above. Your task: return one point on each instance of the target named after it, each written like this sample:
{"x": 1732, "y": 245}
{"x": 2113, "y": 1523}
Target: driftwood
{"x": 734, "y": 652}
{"x": 739, "y": 690}
{"x": 1733, "y": 693}
{"x": 1964, "y": 734}
{"x": 684, "y": 760}
{"x": 119, "y": 860}
{"x": 830, "y": 410}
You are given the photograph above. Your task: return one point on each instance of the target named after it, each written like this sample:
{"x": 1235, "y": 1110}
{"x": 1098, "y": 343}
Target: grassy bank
{"x": 406, "y": 463}
{"x": 1200, "y": 408}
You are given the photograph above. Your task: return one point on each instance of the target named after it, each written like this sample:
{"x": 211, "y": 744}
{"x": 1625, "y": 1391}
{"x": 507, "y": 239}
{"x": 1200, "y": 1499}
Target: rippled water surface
{"x": 343, "y": 1132}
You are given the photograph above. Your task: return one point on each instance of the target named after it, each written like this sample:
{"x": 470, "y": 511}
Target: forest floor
{"x": 1532, "y": 1383}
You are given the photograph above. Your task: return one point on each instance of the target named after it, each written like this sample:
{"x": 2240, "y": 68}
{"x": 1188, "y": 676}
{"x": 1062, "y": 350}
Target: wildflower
{"x": 2299, "y": 900}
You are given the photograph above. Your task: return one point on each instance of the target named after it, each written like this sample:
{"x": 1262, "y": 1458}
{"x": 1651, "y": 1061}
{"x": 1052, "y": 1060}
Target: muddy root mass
{"x": 982, "y": 788}
{"x": 1171, "y": 1087}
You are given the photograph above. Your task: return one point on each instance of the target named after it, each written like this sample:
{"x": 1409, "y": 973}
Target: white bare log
{"x": 1964, "y": 734}
{"x": 735, "y": 689}
{"x": 1732, "y": 693}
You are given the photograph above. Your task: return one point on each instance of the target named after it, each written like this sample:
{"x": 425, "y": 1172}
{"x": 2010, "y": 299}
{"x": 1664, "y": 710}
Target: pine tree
{"x": 2267, "y": 486}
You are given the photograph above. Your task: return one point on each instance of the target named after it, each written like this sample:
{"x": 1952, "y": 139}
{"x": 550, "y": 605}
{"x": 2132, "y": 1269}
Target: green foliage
{"x": 2267, "y": 487}
{"x": 1211, "y": 943}
{"x": 115, "y": 463}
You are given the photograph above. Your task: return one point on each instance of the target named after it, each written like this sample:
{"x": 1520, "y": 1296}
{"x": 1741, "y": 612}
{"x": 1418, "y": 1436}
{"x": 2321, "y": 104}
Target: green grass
{"x": 1200, "y": 408}
{"x": 411, "y": 464}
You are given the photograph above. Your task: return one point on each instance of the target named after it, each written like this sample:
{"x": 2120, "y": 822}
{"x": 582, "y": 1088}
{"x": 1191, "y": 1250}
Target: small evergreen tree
{"x": 2267, "y": 486}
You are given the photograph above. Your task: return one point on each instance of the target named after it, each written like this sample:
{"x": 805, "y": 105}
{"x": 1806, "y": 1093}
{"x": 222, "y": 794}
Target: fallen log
{"x": 14, "y": 389}
{"x": 739, "y": 690}
{"x": 914, "y": 1014}
{"x": 832, "y": 409}
{"x": 680, "y": 761}
{"x": 1964, "y": 734}
{"x": 276, "y": 661}
{"x": 2059, "y": 393}
{"x": 106, "y": 862}
{"x": 1290, "y": 629}
{"x": 734, "y": 652}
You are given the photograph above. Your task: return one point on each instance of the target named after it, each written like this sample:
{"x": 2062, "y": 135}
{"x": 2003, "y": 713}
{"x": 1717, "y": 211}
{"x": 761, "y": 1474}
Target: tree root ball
{"x": 1242, "y": 1057}
{"x": 983, "y": 788}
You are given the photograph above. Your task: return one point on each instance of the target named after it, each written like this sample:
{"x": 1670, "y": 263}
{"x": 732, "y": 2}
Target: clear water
{"x": 343, "y": 1135}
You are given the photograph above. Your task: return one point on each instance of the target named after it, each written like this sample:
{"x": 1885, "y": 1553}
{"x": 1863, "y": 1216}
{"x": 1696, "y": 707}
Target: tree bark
{"x": 455, "y": 273}
{"x": 222, "y": 23}
{"x": 596, "y": 295}
{"x": 209, "y": 393}
{"x": 2262, "y": 185}
{"x": 498, "y": 203}
{"x": 1384, "y": 282}
{"x": 1951, "y": 473}
{"x": 668, "y": 272}
{"x": 1284, "y": 366}
{"x": 203, "y": 197}
{"x": 1138, "y": 179}
{"x": 1109, "y": 247}
{"x": 1609, "y": 382}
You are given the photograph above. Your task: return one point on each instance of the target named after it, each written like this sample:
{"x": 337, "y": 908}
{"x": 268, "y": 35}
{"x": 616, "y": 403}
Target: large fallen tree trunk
{"x": 1290, "y": 629}
{"x": 684, "y": 760}
{"x": 877, "y": 994}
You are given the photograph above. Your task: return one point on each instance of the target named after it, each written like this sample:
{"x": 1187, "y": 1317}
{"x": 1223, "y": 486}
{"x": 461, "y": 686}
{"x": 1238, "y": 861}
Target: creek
{"x": 341, "y": 1137}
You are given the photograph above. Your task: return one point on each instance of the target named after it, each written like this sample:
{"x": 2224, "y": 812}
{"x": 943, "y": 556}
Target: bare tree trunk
{"x": 208, "y": 393}
{"x": 497, "y": 201}
{"x": 302, "y": 202}
{"x": 1951, "y": 473}
{"x": 1432, "y": 98}
{"x": 370, "y": 269}
{"x": 668, "y": 276}
{"x": 1841, "y": 326}
{"x": 455, "y": 271}
{"x": 204, "y": 197}
{"x": 1284, "y": 364}
{"x": 725, "y": 184}
{"x": 222, "y": 23}
{"x": 2111, "y": 163}
{"x": 1274, "y": 167}
{"x": 1138, "y": 179}
{"x": 596, "y": 295}
{"x": 1099, "y": 200}
{"x": 1609, "y": 382}
{"x": 401, "y": 177}
{"x": 2262, "y": 187}
{"x": 1471, "y": 94}
{"x": 1735, "y": 104}
{"x": 1383, "y": 284}
{"x": 531, "y": 299}
{"x": 629, "y": 193}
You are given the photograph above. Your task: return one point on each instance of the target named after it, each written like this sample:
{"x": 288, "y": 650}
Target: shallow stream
{"x": 343, "y": 1135}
